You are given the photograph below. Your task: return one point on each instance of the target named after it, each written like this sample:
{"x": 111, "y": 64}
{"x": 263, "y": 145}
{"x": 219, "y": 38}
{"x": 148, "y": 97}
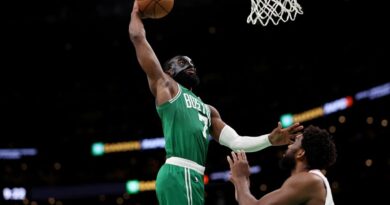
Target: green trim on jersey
{"x": 186, "y": 122}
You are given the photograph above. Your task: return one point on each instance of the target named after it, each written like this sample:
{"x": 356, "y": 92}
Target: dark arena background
{"x": 79, "y": 125}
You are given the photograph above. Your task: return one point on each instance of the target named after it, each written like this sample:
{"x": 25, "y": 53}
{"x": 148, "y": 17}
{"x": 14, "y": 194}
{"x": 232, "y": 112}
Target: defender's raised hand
{"x": 239, "y": 166}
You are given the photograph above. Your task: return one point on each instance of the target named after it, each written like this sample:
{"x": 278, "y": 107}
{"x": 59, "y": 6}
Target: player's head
{"x": 315, "y": 148}
{"x": 183, "y": 70}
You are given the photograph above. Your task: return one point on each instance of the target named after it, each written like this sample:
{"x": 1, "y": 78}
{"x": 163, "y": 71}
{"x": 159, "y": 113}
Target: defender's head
{"x": 315, "y": 148}
{"x": 182, "y": 69}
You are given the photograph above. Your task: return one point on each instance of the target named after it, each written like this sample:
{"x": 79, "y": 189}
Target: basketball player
{"x": 187, "y": 123}
{"x": 310, "y": 153}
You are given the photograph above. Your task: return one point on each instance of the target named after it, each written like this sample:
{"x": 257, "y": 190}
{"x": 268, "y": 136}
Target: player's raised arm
{"x": 146, "y": 57}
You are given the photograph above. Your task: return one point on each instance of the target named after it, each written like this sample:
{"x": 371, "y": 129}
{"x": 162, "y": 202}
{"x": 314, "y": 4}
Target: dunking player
{"x": 187, "y": 122}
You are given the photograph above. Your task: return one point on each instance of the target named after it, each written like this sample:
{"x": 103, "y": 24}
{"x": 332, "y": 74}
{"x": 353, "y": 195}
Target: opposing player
{"x": 312, "y": 152}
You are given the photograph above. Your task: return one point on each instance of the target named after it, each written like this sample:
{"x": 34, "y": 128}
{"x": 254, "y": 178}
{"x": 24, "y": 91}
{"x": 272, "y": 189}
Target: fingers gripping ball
{"x": 155, "y": 9}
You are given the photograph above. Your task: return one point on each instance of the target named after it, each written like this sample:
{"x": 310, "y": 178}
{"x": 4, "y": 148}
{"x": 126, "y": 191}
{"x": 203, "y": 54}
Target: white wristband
{"x": 231, "y": 139}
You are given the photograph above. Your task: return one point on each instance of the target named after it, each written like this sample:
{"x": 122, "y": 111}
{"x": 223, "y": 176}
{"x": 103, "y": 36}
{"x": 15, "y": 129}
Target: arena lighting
{"x": 374, "y": 93}
{"x": 133, "y": 186}
{"x": 326, "y": 109}
{"x": 340, "y": 104}
{"x": 224, "y": 175}
{"x": 17, "y": 153}
{"x": 336, "y": 105}
{"x": 16, "y": 193}
{"x": 154, "y": 143}
{"x": 100, "y": 148}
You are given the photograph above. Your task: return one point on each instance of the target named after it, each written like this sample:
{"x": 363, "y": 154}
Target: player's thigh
{"x": 178, "y": 185}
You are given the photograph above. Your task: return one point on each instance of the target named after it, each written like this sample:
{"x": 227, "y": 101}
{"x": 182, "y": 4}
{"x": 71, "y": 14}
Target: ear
{"x": 300, "y": 153}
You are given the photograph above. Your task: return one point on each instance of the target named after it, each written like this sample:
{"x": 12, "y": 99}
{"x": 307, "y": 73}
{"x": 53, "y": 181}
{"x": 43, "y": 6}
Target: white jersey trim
{"x": 177, "y": 94}
{"x": 181, "y": 162}
{"x": 329, "y": 197}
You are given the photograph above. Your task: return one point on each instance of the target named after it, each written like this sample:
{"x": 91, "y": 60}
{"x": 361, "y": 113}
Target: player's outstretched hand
{"x": 284, "y": 136}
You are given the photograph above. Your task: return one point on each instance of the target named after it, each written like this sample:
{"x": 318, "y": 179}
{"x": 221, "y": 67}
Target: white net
{"x": 264, "y": 11}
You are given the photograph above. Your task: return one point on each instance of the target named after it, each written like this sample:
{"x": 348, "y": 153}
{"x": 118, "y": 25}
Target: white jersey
{"x": 329, "y": 197}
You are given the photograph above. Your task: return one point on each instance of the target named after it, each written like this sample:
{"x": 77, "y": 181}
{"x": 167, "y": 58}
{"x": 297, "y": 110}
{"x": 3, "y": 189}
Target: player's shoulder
{"x": 305, "y": 180}
{"x": 212, "y": 108}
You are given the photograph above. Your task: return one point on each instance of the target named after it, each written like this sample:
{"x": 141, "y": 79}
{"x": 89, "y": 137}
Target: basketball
{"x": 154, "y": 9}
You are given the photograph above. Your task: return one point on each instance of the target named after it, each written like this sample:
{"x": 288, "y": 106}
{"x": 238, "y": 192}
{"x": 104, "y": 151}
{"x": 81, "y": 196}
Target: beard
{"x": 287, "y": 162}
{"x": 188, "y": 81}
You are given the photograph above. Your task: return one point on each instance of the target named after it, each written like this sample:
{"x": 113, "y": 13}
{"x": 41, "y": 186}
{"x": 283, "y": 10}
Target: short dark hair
{"x": 319, "y": 147}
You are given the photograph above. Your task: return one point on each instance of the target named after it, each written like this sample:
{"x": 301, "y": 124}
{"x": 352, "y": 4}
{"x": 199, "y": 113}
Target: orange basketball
{"x": 154, "y": 9}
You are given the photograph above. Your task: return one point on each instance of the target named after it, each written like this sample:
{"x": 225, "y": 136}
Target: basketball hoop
{"x": 264, "y": 11}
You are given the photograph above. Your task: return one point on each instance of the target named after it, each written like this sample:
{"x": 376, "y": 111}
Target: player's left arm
{"x": 228, "y": 137}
